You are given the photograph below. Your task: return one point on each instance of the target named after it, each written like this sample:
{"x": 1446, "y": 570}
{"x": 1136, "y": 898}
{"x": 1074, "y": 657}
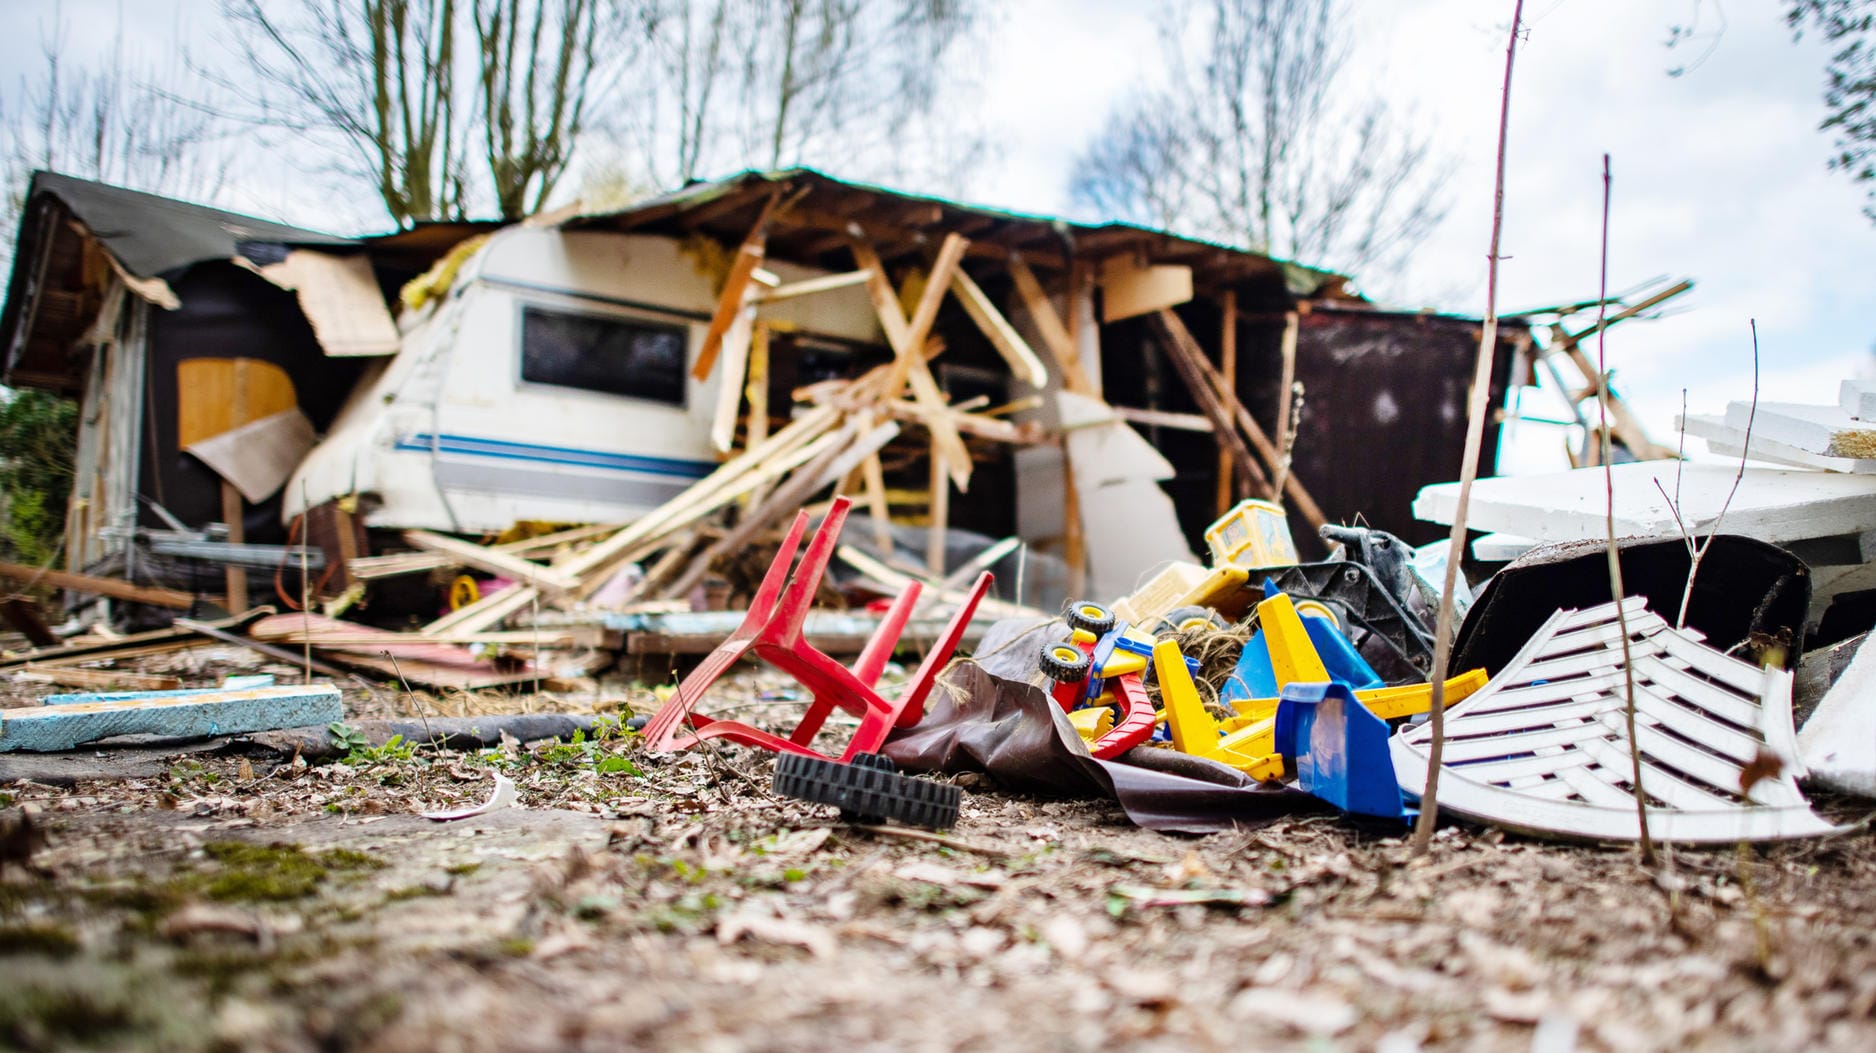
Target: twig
{"x": 306, "y": 585}
{"x": 411, "y": 697}
{"x": 1289, "y": 439}
{"x": 1469, "y": 469}
{"x": 1745, "y": 450}
{"x": 910, "y": 834}
{"x": 1615, "y": 555}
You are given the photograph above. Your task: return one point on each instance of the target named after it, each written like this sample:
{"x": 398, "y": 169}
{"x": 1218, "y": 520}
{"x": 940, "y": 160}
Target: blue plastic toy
{"x": 1337, "y": 750}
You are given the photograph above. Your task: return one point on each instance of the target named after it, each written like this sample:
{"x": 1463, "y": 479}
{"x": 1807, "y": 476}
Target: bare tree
{"x": 115, "y": 119}
{"x": 857, "y": 85}
{"x": 407, "y": 89}
{"x": 1849, "y": 81}
{"x": 1257, "y": 141}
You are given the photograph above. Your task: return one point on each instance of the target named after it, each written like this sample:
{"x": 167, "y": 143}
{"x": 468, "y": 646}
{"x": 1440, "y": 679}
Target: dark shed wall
{"x": 1384, "y": 415}
{"x": 228, "y": 312}
{"x": 1385, "y": 411}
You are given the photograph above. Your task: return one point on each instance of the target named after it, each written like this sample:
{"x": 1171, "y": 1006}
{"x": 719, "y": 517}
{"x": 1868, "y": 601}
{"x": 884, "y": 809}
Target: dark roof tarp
{"x": 152, "y": 235}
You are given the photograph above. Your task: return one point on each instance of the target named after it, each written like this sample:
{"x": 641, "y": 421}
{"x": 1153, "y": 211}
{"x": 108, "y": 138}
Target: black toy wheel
{"x": 1089, "y": 617}
{"x": 868, "y": 791}
{"x": 1064, "y": 663}
{"x": 1186, "y": 619}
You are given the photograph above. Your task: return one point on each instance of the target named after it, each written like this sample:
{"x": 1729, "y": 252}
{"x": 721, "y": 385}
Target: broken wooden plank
{"x": 736, "y": 288}
{"x": 96, "y": 586}
{"x": 97, "y": 679}
{"x": 712, "y": 491}
{"x": 487, "y": 611}
{"x": 210, "y": 712}
{"x": 366, "y": 568}
{"x": 1228, "y": 358}
{"x": 1182, "y": 355}
{"x": 907, "y": 352}
{"x": 1164, "y": 419}
{"x": 1003, "y": 336}
{"x": 1056, "y": 338}
{"x": 495, "y": 562}
{"x": 730, "y": 385}
{"x": 810, "y": 286}
{"x": 1292, "y": 486}
{"x": 836, "y": 461}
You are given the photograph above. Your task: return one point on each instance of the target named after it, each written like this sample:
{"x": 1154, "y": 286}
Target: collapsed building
{"x": 465, "y": 377}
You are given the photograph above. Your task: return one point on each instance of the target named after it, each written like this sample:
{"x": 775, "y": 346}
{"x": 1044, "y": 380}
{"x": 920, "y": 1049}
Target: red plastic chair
{"x": 772, "y": 631}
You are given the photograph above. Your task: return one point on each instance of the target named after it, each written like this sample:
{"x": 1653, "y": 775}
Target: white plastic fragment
{"x": 504, "y": 795}
{"x": 1838, "y": 743}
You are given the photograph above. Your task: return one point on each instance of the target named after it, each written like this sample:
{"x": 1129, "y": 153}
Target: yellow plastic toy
{"x": 1253, "y": 535}
{"x": 1195, "y": 732}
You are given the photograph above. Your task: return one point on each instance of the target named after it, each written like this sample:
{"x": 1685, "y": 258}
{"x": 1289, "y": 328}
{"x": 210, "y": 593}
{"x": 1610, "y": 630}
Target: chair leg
{"x": 798, "y": 596}
{"x": 880, "y": 645}
{"x": 911, "y": 705}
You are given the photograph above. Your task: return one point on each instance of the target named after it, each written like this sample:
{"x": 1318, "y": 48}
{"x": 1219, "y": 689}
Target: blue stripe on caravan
{"x": 522, "y": 451}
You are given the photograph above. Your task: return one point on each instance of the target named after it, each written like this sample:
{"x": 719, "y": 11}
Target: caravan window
{"x": 616, "y": 356}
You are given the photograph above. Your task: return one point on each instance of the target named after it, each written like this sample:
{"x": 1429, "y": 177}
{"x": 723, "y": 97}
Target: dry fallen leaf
{"x": 1766, "y": 765}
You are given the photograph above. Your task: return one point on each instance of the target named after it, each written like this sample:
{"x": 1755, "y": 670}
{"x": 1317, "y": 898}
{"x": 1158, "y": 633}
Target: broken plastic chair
{"x": 1337, "y": 750}
{"x": 1545, "y": 748}
{"x": 772, "y": 632}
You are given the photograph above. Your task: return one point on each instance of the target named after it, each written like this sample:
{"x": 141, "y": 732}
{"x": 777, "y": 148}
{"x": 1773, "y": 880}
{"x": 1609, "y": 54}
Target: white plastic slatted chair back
{"x": 1544, "y": 747}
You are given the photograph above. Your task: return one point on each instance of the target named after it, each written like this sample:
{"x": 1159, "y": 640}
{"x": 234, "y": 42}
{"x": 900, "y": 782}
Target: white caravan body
{"x": 552, "y": 384}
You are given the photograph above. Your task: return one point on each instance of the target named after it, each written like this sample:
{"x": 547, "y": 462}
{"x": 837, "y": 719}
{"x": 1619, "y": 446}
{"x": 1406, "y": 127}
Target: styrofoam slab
{"x": 1825, "y": 430}
{"x": 1772, "y": 504}
{"x": 1858, "y": 398}
{"x": 1727, "y": 441}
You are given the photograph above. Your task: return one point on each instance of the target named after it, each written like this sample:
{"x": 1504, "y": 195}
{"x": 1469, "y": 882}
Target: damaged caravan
{"x": 553, "y": 381}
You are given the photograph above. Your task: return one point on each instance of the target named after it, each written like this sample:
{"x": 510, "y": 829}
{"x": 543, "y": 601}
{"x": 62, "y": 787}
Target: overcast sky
{"x": 1719, "y": 173}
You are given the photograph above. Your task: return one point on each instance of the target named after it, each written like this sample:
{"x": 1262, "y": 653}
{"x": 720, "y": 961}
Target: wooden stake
{"x": 1468, "y": 471}
{"x": 940, "y": 517}
{"x": 1056, "y": 338}
{"x": 234, "y": 576}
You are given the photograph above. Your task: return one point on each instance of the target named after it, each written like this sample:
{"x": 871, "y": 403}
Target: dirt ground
{"x": 248, "y": 901}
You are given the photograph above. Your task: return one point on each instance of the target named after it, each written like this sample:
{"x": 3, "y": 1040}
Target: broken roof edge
{"x": 1301, "y": 280}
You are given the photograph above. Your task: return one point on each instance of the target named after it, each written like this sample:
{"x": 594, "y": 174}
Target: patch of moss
{"x": 270, "y": 873}
{"x": 61, "y": 1005}
{"x": 397, "y": 895}
{"x": 462, "y": 869}
{"x": 38, "y": 938}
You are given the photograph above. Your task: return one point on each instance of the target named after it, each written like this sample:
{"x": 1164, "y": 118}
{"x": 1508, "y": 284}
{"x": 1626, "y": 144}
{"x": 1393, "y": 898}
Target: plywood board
{"x": 217, "y": 394}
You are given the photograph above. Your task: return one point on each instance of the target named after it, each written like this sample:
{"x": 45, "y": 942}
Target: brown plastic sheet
{"x": 1013, "y": 732}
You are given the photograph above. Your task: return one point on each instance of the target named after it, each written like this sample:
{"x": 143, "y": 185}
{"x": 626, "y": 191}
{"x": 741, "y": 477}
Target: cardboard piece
{"x": 260, "y": 456}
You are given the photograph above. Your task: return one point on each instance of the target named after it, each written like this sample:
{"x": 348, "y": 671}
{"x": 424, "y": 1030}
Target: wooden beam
{"x": 1189, "y": 351}
{"x": 730, "y": 384}
{"x": 494, "y": 561}
{"x": 96, "y": 586}
{"x": 98, "y": 679}
{"x": 937, "y": 282}
{"x": 1055, "y": 335}
{"x": 1183, "y": 353}
{"x": 1004, "y": 337}
{"x": 1164, "y": 419}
